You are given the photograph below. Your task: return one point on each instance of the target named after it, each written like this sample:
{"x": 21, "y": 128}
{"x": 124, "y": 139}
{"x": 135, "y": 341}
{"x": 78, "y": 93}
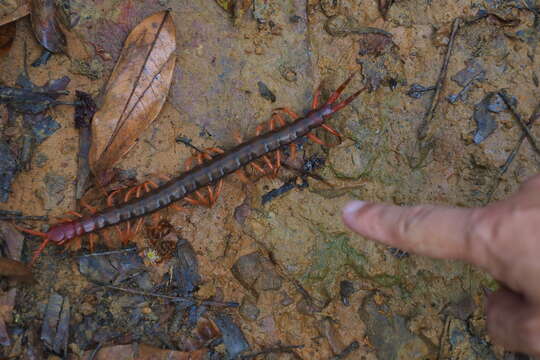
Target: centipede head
{"x": 44, "y": 243}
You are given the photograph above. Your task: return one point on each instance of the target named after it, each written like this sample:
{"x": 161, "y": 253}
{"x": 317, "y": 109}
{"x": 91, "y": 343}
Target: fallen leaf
{"x": 7, "y": 34}
{"x": 12, "y": 242}
{"x": 143, "y": 352}
{"x": 46, "y": 26}
{"x": 11, "y": 10}
{"x": 15, "y": 270}
{"x": 136, "y": 91}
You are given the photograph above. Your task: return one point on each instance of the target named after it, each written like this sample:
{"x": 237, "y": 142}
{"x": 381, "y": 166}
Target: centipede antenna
{"x": 339, "y": 90}
{"x": 347, "y": 101}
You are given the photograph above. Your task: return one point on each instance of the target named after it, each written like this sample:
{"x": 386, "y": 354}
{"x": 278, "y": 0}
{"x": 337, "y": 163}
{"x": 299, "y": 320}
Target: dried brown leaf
{"x": 7, "y": 34}
{"x": 46, "y": 26}
{"x": 136, "y": 91}
{"x": 15, "y": 270}
{"x": 11, "y": 10}
{"x": 143, "y": 352}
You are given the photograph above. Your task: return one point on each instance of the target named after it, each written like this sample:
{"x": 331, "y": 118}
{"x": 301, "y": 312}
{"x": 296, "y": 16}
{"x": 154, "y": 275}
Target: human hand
{"x": 502, "y": 238}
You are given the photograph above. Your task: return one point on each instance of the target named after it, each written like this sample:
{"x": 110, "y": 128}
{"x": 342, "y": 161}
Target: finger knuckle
{"x": 482, "y": 227}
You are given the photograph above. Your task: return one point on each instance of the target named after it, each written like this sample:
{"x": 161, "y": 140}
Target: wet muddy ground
{"x": 270, "y": 271}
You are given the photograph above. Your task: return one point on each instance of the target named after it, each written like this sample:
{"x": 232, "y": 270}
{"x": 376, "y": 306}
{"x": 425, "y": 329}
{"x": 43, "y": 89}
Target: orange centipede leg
{"x": 315, "y": 139}
{"x": 331, "y": 130}
{"x": 178, "y": 208}
{"x": 89, "y": 207}
{"x": 258, "y": 168}
{"x": 289, "y": 112}
{"x": 242, "y": 176}
{"x": 110, "y": 198}
{"x": 91, "y": 239}
{"x": 74, "y": 213}
{"x": 39, "y": 251}
{"x": 218, "y": 189}
{"x": 293, "y": 150}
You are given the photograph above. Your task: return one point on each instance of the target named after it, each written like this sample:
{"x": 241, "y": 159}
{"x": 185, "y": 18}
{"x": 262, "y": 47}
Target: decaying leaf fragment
{"x": 136, "y": 91}
{"x": 7, "y": 34}
{"x": 46, "y": 26}
{"x": 11, "y": 10}
{"x": 144, "y": 352}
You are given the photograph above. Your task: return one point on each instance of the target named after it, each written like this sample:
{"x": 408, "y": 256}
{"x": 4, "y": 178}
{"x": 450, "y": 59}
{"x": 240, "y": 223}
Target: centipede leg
{"x": 90, "y": 208}
{"x": 289, "y": 112}
{"x": 91, "y": 238}
{"x": 39, "y": 251}
{"x": 315, "y": 139}
{"x": 292, "y": 148}
{"x": 242, "y": 176}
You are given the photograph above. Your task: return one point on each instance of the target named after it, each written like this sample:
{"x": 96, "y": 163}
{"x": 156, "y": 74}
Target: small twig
{"x": 24, "y": 217}
{"x": 108, "y": 252}
{"x": 424, "y": 127}
{"x": 277, "y": 349}
{"x": 347, "y": 351}
{"x": 520, "y": 121}
{"x": 190, "y": 301}
{"x": 18, "y": 215}
{"x": 95, "y": 351}
{"x": 503, "y": 169}
{"x": 442, "y": 339}
{"x": 187, "y": 142}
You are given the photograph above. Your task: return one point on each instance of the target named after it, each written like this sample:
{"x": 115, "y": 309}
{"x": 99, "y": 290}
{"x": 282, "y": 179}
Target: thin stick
{"x": 175, "y": 298}
{"x": 524, "y": 126}
{"x": 108, "y": 252}
{"x": 347, "y": 351}
{"x": 23, "y": 217}
{"x": 503, "y": 169}
{"x": 424, "y": 127}
{"x": 277, "y": 349}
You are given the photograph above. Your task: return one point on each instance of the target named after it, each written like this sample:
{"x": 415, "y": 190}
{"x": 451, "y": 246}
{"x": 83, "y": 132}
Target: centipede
{"x": 209, "y": 171}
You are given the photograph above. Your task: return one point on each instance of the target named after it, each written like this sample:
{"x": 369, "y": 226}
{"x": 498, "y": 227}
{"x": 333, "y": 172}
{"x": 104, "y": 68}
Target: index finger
{"x": 435, "y": 231}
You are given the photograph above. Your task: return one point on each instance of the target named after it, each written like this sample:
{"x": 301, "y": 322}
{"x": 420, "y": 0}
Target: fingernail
{"x": 352, "y": 207}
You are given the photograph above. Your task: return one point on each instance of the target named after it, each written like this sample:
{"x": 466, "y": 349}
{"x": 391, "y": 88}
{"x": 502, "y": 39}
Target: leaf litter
{"x": 283, "y": 322}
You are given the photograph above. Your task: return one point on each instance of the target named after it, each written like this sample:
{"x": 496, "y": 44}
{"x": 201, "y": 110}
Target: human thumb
{"x": 513, "y": 323}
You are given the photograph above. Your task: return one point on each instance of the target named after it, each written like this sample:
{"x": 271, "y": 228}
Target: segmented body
{"x": 190, "y": 181}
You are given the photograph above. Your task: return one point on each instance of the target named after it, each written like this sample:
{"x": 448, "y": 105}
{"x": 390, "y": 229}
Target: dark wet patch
{"x": 55, "y": 329}
{"x": 9, "y": 167}
{"x": 417, "y": 91}
{"x": 186, "y": 269}
{"x": 389, "y": 333}
{"x": 346, "y": 289}
{"x": 233, "y": 338}
{"x": 256, "y": 273}
{"x": 265, "y": 92}
{"x": 483, "y": 115}
{"x": 111, "y": 268}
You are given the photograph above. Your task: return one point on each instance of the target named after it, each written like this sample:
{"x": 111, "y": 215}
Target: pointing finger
{"x": 434, "y": 231}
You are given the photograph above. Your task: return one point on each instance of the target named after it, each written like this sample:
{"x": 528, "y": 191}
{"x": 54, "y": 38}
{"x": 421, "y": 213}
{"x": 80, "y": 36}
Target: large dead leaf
{"x": 46, "y": 26}
{"x": 143, "y": 352}
{"x": 11, "y": 10}
{"x": 136, "y": 90}
{"x": 7, "y": 34}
